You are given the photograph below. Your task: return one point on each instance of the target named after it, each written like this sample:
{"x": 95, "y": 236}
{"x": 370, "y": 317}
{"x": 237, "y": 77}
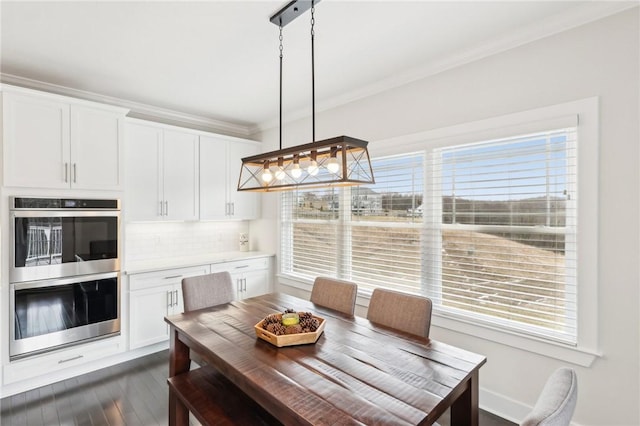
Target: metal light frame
{"x": 339, "y": 161}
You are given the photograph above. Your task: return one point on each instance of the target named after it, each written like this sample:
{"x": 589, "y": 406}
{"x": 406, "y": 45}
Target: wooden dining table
{"x": 355, "y": 373}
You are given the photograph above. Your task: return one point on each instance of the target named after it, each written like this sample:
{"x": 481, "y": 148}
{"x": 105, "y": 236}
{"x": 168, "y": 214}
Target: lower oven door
{"x": 50, "y": 314}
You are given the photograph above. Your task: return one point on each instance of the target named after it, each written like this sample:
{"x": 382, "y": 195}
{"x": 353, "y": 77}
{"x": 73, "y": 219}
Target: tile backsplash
{"x": 151, "y": 241}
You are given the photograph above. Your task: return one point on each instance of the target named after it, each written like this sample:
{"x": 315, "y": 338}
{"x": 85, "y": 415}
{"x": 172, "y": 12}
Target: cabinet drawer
{"x": 65, "y": 358}
{"x": 168, "y": 276}
{"x": 239, "y": 266}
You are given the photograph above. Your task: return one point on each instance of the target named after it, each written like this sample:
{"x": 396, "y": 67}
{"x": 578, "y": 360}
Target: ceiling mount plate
{"x": 291, "y": 11}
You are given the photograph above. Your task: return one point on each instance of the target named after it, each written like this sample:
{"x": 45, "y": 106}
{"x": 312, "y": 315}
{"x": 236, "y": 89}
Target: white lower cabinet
{"x": 152, "y": 296}
{"x": 73, "y": 357}
{"x": 251, "y": 277}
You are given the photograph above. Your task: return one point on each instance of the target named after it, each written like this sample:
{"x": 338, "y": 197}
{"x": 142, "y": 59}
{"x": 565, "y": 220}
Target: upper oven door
{"x": 51, "y": 244}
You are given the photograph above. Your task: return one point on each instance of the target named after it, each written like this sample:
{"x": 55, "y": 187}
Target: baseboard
{"x": 505, "y": 407}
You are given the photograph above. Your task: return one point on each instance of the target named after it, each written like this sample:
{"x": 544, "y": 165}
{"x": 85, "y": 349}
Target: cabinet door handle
{"x": 62, "y": 361}
{"x": 166, "y": 208}
{"x": 233, "y": 209}
{"x": 75, "y": 172}
{"x": 176, "y": 299}
{"x": 241, "y": 266}
{"x": 169, "y": 299}
{"x": 244, "y": 281}
{"x": 227, "y": 209}
{"x": 161, "y": 208}
{"x": 172, "y": 277}
{"x": 66, "y": 172}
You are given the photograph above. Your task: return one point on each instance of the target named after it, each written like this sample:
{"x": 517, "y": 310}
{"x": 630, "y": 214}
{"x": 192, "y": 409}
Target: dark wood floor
{"x": 133, "y": 393}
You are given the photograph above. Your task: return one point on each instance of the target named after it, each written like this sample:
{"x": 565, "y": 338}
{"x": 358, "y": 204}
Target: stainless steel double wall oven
{"x": 64, "y": 275}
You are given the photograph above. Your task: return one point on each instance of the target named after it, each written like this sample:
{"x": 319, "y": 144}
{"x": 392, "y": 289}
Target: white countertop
{"x": 137, "y": 267}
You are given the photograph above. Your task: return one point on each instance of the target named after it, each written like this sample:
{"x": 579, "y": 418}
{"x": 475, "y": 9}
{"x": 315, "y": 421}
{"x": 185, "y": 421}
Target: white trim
{"x": 575, "y": 355}
{"x": 585, "y": 112}
{"x": 157, "y": 125}
{"x": 6, "y": 88}
{"x": 589, "y": 12}
{"x": 137, "y": 109}
{"x": 505, "y": 407}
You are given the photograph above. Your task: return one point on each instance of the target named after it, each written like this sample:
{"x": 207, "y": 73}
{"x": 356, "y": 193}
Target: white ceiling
{"x": 218, "y": 60}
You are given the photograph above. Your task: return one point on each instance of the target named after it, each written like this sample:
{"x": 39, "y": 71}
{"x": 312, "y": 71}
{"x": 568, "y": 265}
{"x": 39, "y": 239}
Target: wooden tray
{"x": 289, "y": 339}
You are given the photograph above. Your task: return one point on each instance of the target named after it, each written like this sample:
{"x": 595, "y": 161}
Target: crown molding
{"x": 589, "y": 12}
{"x": 136, "y": 109}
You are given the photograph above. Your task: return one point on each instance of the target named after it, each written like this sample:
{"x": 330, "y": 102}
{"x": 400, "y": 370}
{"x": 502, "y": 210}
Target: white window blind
{"x": 310, "y": 226}
{"x": 503, "y": 235}
{"x": 386, "y": 225}
{"x": 486, "y": 230}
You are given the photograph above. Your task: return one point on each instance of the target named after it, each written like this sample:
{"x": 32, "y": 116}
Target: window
{"x": 503, "y": 232}
{"x": 485, "y": 227}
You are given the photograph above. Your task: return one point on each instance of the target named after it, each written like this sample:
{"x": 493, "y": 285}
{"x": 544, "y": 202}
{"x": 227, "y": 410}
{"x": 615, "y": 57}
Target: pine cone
{"x": 276, "y": 328}
{"x": 304, "y": 315}
{"x": 293, "y": 329}
{"x": 289, "y": 311}
{"x": 270, "y": 319}
{"x": 309, "y": 325}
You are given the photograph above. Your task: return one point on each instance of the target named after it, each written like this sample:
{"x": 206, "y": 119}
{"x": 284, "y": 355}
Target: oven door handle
{"x": 65, "y": 213}
{"x": 62, "y": 281}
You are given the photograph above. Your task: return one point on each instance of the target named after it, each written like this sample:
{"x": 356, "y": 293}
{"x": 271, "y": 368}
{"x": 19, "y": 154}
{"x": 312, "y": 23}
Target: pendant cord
{"x": 280, "y": 87}
{"x": 313, "y": 78}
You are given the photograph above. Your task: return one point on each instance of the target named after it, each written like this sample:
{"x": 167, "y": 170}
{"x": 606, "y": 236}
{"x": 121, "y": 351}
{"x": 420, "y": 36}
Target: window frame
{"x": 584, "y": 114}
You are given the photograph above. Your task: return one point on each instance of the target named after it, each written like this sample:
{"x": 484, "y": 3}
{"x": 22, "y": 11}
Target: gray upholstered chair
{"x": 335, "y": 294}
{"x": 556, "y": 402}
{"x": 203, "y": 291}
{"x": 401, "y": 311}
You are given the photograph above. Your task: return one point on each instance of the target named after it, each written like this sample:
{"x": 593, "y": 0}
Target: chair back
{"x": 335, "y": 294}
{"x": 401, "y": 311}
{"x": 557, "y": 401}
{"x": 203, "y": 291}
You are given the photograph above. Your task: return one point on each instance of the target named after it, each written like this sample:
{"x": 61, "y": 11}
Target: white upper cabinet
{"x": 181, "y": 175}
{"x": 161, "y": 173}
{"x": 51, "y": 141}
{"x": 220, "y": 161}
{"x": 96, "y": 148}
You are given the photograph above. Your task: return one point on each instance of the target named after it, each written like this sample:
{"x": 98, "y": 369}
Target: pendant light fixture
{"x": 338, "y": 161}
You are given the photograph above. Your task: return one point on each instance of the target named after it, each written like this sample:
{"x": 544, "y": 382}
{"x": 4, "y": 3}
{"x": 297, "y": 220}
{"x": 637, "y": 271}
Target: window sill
{"x": 574, "y": 355}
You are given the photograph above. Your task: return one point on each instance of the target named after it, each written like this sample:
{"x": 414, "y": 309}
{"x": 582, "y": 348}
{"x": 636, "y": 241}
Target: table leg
{"x": 178, "y": 363}
{"x": 465, "y": 409}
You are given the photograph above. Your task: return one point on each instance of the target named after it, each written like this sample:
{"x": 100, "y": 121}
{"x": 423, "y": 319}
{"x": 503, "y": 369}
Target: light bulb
{"x": 296, "y": 172}
{"x": 280, "y": 174}
{"x": 267, "y": 176}
{"x": 332, "y": 165}
{"x": 313, "y": 168}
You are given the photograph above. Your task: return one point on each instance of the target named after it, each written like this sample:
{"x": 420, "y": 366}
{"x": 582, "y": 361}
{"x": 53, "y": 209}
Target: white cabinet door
{"x": 244, "y": 204}
{"x": 36, "y": 142}
{"x": 161, "y": 173}
{"x": 96, "y": 148}
{"x": 51, "y": 141}
{"x": 147, "y": 311}
{"x": 219, "y": 172}
{"x": 143, "y": 172}
{"x": 181, "y": 199}
{"x": 256, "y": 283}
{"x": 152, "y": 296}
{"x": 250, "y": 276}
{"x": 213, "y": 179}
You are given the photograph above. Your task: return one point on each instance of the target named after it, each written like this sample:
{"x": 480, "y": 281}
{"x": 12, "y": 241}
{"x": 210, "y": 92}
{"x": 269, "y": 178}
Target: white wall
{"x": 597, "y": 59}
